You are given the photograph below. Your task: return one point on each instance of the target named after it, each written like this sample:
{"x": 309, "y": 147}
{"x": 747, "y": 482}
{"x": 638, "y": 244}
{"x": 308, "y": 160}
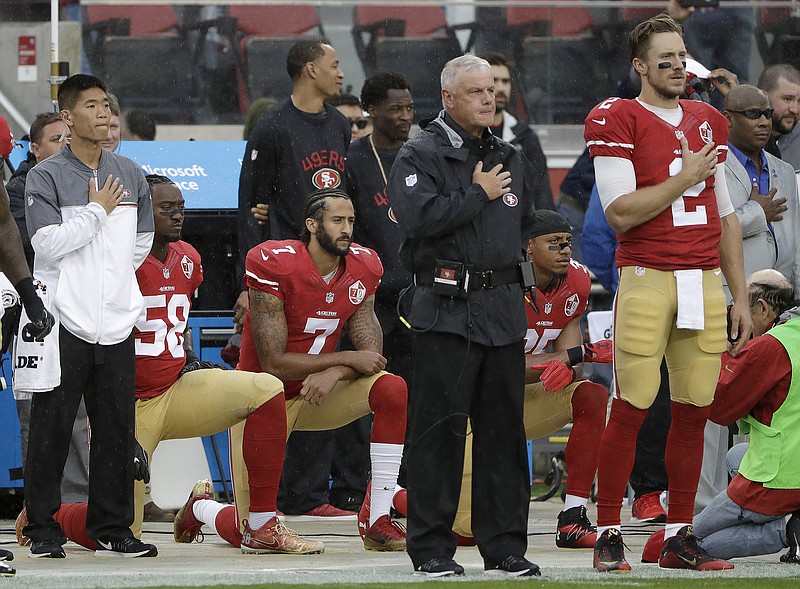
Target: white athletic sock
{"x": 385, "y": 460}
{"x": 571, "y": 501}
{"x": 601, "y": 529}
{"x": 671, "y": 530}
{"x": 257, "y": 519}
{"x": 206, "y": 511}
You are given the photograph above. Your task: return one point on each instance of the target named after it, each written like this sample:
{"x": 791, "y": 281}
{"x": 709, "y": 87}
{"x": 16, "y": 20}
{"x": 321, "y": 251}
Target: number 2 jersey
{"x": 556, "y": 308}
{"x": 315, "y": 310}
{"x": 685, "y": 235}
{"x": 167, "y": 289}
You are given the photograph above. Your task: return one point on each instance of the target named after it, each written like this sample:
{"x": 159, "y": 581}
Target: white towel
{"x": 691, "y": 314}
{"x": 37, "y": 365}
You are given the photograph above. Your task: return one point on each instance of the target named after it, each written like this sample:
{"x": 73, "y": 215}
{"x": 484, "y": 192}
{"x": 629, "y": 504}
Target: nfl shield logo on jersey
{"x": 705, "y": 133}
{"x": 329, "y": 298}
{"x": 165, "y": 272}
{"x": 356, "y": 292}
{"x": 187, "y": 266}
{"x": 411, "y": 180}
{"x": 571, "y": 305}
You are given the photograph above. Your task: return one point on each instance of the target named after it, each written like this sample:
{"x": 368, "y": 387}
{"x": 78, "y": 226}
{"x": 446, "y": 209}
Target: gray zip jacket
{"x": 87, "y": 257}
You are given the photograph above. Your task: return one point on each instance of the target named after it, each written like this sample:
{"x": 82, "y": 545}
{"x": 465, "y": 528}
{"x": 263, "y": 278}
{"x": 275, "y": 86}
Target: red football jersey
{"x": 685, "y": 235}
{"x": 557, "y": 308}
{"x": 315, "y": 311}
{"x": 167, "y": 289}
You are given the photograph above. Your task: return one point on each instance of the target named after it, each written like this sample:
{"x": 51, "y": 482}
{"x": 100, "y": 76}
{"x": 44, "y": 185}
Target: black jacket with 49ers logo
{"x": 443, "y": 215}
{"x": 289, "y": 154}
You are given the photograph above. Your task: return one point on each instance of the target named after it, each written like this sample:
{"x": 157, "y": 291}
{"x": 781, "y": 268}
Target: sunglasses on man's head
{"x": 360, "y": 122}
{"x": 754, "y": 113}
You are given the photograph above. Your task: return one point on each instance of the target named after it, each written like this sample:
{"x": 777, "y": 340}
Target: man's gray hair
{"x": 463, "y": 64}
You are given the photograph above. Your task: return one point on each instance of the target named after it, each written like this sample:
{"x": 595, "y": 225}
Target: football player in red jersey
{"x": 303, "y": 294}
{"x": 659, "y": 164}
{"x": 179, "y": 396}
{"x": 553, "y": 396}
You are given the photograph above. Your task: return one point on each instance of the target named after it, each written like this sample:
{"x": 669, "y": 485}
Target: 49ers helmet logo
{"x": 326, "y": 178}
{"x": 510, "y": 199}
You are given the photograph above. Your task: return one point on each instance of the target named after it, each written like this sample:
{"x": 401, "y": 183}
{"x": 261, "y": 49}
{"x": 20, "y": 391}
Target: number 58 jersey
{"x": 686, "y": 234}
{"x": 167, "y": 289}
{"x": 315, "y": 311}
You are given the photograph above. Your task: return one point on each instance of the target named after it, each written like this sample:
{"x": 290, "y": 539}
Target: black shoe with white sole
{"x": 793, "y": 539}
{"x": 46, "y": 549}
{"x": 6, "y": 570}
{"x": 129, "y": 547}
{"x": 513, "y": 566}
{"x": 439, "y": 567}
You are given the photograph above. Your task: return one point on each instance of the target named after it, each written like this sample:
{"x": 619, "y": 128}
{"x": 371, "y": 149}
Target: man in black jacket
{"x": 464, "y": 203}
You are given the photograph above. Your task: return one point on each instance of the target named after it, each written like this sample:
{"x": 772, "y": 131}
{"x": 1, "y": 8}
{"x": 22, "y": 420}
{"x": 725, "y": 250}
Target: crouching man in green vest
{"x": 760, "y": 388}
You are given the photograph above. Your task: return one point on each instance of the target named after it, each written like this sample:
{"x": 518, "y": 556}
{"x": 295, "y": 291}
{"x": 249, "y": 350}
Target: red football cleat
{"x": 609, "y": 553}
{"x": 682, "y": 552}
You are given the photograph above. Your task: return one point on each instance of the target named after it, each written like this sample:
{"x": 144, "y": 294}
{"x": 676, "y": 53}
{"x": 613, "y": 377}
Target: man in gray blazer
{"x": 763, "y": 190}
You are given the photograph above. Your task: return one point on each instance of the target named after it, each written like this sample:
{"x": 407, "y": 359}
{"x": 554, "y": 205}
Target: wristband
{"x": 30, "y": 300}
{"x": 575, "y": 355}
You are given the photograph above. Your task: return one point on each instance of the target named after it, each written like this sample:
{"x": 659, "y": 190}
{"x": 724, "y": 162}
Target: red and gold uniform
{"x": 684, "y": 236}
{"x": 316, "y": 312}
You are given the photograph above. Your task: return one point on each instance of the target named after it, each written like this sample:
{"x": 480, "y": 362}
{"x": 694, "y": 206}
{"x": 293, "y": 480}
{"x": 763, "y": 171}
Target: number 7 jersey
{"x": 686, "y": 234}
{"x": 315, "y": 311}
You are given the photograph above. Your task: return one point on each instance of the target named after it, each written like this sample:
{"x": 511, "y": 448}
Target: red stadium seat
{"x": 415, "y": 41}
{"x": 265, "y": 35}
{"x": 125, "y": 41}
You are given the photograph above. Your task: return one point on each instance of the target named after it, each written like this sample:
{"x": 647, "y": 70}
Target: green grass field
{"x": 700, "y": 582}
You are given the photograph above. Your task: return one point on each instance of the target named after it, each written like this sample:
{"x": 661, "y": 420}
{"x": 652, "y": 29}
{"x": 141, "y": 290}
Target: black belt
{"x": 485, "y": 280}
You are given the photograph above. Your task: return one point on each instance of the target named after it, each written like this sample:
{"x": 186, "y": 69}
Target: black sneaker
{"x": 793, "y": 539}
{"x": 46, "y": 549}
{"x": 6, "y": 570}
{"x": 683, "y": 552}
{"x": 513, "y": 566}
{"x": 609, "y": 553}
{"x": 439, "y": 567}
{"x": 129, "y": 547}
{"x": 575, "y": 530}
{"x": 6, "y": 554}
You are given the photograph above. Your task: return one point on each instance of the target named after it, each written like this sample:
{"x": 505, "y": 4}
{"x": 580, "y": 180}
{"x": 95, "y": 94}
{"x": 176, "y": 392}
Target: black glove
{"x": 141, "y": 466}
{"x": 194, "y": 363}
{"x": 39, "y": 327}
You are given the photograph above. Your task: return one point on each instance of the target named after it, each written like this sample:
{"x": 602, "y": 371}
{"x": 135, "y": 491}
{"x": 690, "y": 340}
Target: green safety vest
{"x": 773, "y": 453}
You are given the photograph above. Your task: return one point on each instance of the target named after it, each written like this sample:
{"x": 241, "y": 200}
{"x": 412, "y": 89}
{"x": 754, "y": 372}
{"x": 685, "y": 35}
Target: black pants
{"x": 104, "y": 377}
{"x": 649, "y": 472}
{"x": 452, "y": 380}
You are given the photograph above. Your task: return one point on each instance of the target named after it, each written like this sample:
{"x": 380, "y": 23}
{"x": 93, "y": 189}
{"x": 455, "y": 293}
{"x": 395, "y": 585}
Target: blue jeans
{"x": 726, "y": 530}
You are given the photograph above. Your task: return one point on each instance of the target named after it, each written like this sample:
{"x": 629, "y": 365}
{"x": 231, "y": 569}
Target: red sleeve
{"x": 608, "y": 129}
{"x": 259, "y": 273}
{"x": 584, "y": 286}
{"x": 748, "y": 378}
{"x": 372, "y": 266}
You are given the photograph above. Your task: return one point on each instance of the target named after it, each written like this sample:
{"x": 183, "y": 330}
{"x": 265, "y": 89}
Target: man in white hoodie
{"x": 90, "y": 219}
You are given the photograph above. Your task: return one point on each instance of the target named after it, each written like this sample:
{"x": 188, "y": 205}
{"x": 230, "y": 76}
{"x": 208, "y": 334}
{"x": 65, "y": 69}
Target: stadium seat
{"x": 565, "y": 59}
{"x": 415, "y": 41}
{"x": 265, "y": 35}
{"x": 128, "y": 47}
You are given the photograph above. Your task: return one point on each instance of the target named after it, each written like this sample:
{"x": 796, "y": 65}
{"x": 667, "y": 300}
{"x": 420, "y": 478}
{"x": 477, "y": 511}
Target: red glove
{"x": 6, "y": 138}
{"x": 599, "y": 352}
{"x": 555, "y": 375}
